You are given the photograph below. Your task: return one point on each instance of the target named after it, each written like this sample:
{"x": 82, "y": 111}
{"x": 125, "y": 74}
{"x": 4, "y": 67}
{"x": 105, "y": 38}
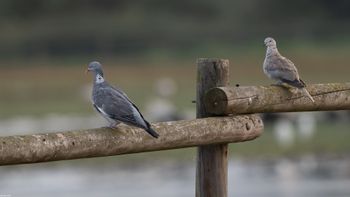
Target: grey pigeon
{"x": 281, "y": 69}
{"x": 113, "y": 104}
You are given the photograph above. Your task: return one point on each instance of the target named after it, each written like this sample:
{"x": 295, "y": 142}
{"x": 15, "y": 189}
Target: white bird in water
{"x": 281, "y": 69}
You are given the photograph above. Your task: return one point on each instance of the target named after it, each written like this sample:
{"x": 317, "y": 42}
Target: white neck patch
{"x": 99, "y": 79}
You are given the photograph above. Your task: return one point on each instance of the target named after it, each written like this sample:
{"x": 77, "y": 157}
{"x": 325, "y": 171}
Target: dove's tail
{"x": 152, "y": 132}
{"x": 308, "y": 95}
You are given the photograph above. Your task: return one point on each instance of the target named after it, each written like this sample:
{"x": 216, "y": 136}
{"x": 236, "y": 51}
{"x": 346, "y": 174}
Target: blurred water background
{"x": 149, "y": 49}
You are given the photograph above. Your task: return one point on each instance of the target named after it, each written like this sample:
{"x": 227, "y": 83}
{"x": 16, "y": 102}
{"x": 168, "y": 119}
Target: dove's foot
{"x": 277, "y": 84}
{"x": 109, "y": 127}
{"x": 282, "y": 85}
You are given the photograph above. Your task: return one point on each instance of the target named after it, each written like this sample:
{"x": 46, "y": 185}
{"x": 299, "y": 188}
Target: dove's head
{"x": 95, "y": 67}
{"x": 269, "y": 42}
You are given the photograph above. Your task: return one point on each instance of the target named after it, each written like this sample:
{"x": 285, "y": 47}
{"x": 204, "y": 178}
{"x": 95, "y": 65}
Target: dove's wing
{"x": 281, "y": 68}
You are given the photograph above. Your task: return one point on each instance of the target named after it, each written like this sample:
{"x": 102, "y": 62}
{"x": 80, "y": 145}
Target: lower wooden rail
{"x": 125, "y": 139}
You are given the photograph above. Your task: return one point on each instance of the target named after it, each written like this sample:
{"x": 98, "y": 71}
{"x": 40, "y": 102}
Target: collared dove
{"x": 281, "y": 69}
{"x": 113, "y": 104}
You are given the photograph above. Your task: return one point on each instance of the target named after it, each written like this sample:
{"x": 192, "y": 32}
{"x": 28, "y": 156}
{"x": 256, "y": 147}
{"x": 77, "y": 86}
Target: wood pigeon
{"x": 113, "y": 104}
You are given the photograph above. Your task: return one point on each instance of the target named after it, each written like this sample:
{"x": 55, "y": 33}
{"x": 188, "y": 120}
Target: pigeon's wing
{"x": 117, "y": 106}
{"x": 282, "y": 68}
{"x": 120, "y": 92}
{"x": 134, "y": 106}
{"x": 137, "y": 116}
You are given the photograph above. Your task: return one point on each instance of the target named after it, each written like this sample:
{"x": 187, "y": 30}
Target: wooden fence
{"x": 210, "y": 134}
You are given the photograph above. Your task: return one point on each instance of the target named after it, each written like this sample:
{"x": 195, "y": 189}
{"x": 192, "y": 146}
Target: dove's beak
{"x": 86, "y": 71}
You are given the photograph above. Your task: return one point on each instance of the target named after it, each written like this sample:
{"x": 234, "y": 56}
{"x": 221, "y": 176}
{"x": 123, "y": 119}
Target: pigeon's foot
{"x": 113, "y": 125}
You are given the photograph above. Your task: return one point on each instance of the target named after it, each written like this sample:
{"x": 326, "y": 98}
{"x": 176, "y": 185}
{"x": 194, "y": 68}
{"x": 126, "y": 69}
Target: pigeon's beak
{"x": 87, "y": 71}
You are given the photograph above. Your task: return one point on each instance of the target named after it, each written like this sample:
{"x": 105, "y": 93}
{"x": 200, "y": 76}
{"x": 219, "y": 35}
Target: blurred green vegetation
{"x": 104, "y": 28}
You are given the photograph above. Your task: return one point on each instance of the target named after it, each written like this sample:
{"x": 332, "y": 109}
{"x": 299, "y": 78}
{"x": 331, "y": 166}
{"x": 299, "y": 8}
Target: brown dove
{"x": 281, "y": 69}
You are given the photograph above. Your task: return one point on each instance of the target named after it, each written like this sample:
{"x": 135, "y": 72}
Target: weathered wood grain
{"x": 263, "y": 99}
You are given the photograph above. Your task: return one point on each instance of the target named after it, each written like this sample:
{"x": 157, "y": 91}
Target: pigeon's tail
{"x": 152, "y": 132}
{"x": 308, "y": 94}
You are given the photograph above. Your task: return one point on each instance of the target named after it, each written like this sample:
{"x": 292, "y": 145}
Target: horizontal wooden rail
{"x": 262, "y": 99}
{"x": 125, "y": 139}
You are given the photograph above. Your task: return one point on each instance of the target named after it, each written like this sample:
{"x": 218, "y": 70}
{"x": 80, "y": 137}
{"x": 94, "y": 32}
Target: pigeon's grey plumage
{"x": 281, "y": 69}
{"x": 113, "y": 104}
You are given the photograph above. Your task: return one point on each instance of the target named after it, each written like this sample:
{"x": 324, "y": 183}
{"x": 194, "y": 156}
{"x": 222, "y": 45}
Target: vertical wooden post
{"x": 211, "y": 174}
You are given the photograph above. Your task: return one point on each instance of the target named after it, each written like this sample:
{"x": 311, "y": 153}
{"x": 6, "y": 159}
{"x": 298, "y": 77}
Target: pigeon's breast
{"x": 98, "y": 95}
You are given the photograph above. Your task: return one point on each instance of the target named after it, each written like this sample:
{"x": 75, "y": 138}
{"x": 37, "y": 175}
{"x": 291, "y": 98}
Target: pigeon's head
{"x": 269, "y": 42}
{"x": 95, "y": 67}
